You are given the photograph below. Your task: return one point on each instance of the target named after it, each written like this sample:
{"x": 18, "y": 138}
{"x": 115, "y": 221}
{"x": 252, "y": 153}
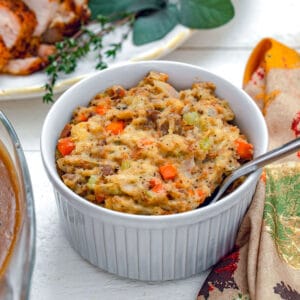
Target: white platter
{"x": 30, "y": 86}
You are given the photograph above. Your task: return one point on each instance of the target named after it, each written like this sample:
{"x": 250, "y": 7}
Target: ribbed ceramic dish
{"x": 151, "y": 247}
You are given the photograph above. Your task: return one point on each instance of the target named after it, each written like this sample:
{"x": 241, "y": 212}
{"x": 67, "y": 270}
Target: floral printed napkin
{"x": 265, "y": 263}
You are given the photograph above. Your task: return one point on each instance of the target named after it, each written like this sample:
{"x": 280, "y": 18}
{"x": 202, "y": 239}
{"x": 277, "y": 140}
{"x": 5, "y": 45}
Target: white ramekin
{"x": 151, "y": 247}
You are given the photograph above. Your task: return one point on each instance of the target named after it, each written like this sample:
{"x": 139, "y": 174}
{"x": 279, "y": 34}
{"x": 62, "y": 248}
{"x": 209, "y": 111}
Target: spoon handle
{"x": 257, "y": 163}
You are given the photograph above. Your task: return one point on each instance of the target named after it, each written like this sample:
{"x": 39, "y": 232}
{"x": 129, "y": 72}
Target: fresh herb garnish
{"x": 71, "y": 50}
{"x": 149, "y": 20}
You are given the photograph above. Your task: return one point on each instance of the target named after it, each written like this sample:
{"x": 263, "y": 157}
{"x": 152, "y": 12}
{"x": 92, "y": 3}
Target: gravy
{"x": 9, "y": 208}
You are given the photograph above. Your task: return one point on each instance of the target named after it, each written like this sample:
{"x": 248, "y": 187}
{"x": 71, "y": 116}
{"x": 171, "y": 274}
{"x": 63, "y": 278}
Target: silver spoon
{"x": 256, "y": 164}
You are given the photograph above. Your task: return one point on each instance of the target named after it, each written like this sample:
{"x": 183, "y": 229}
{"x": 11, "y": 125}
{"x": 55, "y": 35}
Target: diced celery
{"x": 205, "y": 144}
{"x": 125, "y": 165}
{"x": 92, "y": 182}
{"x": 148, "y": 193}
{"x": 191, "y": 118}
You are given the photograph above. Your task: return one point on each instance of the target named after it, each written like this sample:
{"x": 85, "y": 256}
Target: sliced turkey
{"x": 44, "y": 50}
{"x": 67, "y": 20}
{"x": 28, "y": 27}
{"x": 17, "y": 23}
{"x": 23, "y": 66}
{"x": 29, "y": 65}
{"x": 4, "y": 54}
{"x": 44, "y": 11}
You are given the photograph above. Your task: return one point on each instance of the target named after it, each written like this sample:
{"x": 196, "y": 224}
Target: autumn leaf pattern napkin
{"x": 265, "y": 263}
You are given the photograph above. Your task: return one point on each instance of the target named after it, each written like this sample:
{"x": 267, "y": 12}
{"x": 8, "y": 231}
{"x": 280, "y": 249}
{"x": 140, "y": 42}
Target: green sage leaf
{"x": 141, "y": 5}
{"x": 155, "y": 26}
{"x": 205, "y": 13}
{"x": 110, "y": 7}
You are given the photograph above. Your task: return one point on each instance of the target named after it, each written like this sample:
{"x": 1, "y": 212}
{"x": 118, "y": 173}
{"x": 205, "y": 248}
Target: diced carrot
{"x": 82, "y": 117}
{"x": 202, "y": 196}
{"x": 115, "y": 127}
{"x": 156, "y": 185}
{"x": 244, "y": 149}
{"x": 168, "y": 172}
{"x": 191, "y": 192}
{"x": 101, "y": 109}
{"x": 158, "y": 188}
{"x": 99, "y": 199}
{"x": 153, "y": 182}
{"x": 200, "y": 193}
{"x": 65, "y": 146}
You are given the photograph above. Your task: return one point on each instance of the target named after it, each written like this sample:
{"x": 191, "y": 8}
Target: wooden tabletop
{"x": 60, "y": 273}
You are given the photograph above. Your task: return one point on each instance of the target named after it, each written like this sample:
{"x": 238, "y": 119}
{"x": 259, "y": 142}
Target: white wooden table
{"x": 59, "y": 271}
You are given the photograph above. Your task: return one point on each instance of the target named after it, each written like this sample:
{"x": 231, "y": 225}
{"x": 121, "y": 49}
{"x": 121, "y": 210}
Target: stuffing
{"x": 151, "y": 149}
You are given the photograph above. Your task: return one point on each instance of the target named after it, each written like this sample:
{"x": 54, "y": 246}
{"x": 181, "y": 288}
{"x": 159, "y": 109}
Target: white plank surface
{"x": 59, "y": 272}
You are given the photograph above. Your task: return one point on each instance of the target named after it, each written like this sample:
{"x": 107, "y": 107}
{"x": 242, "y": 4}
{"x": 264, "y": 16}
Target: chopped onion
{"x": 187, "y": 166}
{"x": 166, "y": 88}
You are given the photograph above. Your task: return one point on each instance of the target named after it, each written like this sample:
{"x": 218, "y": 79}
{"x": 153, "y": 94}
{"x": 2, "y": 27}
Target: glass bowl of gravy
{"x": 17, "y": 217}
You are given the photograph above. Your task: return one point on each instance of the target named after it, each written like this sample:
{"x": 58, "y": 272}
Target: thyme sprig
{"x": 70, "y": 50}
